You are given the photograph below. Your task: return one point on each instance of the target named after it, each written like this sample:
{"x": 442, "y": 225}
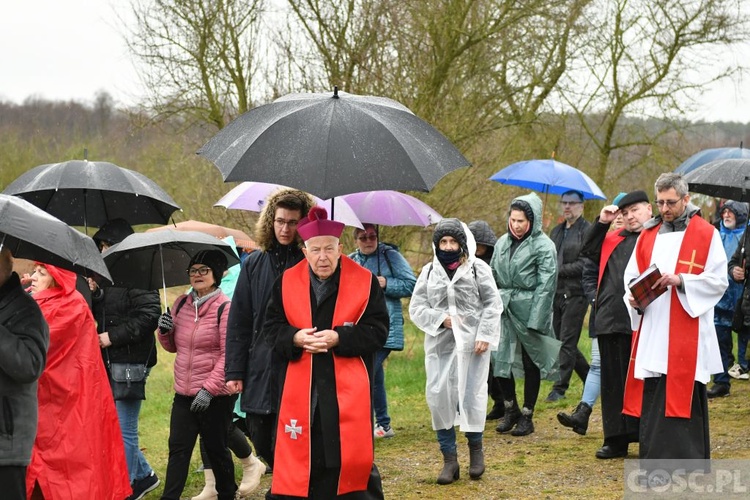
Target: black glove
{"x": 201, "y": 401}
{"x": 166, "y": 324}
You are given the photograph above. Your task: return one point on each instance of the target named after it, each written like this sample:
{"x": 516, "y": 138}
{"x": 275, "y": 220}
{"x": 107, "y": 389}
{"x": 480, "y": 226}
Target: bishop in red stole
{"x": 326, "y": 318}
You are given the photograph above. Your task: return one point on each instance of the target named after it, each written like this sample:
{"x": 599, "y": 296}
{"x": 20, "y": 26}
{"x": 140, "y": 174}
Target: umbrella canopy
{"x": 390, "y": 208}
{"x": 252, "y": 196}
{"x": 31, "y": 233}
{"x": 709, "y": 155}
{"x": 150, "y": 261}
{"x": 241, "y": 238}
{"x": 89, "y": 193}
{"x": 550, "y": 177}
{"x": 728, "y": 178}
{"x": 333, "y": 144}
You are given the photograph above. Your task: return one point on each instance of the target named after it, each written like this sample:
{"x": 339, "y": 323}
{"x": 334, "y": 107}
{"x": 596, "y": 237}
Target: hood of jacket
{"x": 739, "y": 210}
{"x": 455, "y": 227}
{"x": 483, "y": 233}
{"x": 535, "y": 203}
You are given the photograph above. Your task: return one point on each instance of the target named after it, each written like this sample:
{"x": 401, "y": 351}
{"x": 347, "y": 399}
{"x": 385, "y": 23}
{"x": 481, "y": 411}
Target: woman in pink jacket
{"x": 202, "y": 404}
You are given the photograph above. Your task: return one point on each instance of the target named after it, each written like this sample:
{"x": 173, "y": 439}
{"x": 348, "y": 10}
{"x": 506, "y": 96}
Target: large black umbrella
{"x": 333, "y": 144}
{"x": 728, "y": 178}
{"x": 152, "y": 260}
{"x": 31, "y": 233}
{"x": 708, "y": 155}
{"x": 89, "y": 193}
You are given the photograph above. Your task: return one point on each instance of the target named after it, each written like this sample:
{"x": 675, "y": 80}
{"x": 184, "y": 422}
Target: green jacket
{"x": 526, "y": 282}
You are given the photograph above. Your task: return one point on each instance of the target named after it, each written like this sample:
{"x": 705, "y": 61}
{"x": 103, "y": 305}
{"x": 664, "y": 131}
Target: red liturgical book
{"x": 641, "y": 289}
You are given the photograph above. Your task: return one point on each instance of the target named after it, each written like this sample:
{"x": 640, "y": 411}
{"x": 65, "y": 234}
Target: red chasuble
{"x": 683, "y": 330}
{"x": 292, "y": 453}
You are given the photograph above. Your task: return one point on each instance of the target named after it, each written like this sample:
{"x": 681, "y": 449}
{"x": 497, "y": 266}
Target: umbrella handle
{"x": 163, "y": 281}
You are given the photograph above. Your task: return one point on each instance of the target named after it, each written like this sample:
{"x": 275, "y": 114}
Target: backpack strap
{"x": 179, "y": 306}
{"x": 387, "y": 259}
{"x": 221, "y": 311}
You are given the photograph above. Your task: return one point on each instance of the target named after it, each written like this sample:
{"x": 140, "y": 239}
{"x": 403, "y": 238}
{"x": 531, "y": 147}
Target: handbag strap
{"x": 106, "y": 352}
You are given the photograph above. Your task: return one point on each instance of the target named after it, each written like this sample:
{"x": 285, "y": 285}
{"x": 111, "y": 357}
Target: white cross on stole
{"x": 293, "y": 429}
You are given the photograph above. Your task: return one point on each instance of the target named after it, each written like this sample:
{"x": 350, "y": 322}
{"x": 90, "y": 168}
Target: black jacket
{"x": 247, "y": 358}
{"x": 589, "y": 282}
{"x": 362, "y": 339}
{"x": 611, "y": 313}
{"x": 570, "y": 269}
{"x": 741, "y": 255}
{"x": 130, "y": 317}
{"x": 24, "y": 339}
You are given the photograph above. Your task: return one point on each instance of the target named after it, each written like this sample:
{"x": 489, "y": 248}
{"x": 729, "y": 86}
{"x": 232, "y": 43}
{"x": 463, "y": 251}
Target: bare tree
{"x": 645, "y": 58}
{"x": 199, "y": 56}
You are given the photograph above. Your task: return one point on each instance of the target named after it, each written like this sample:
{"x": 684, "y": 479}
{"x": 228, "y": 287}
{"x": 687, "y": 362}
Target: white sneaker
{"x": 383, "y": 433}
{"x": 739, "y": 373}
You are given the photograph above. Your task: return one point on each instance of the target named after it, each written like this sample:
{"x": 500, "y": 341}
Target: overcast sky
{"x": 70, "y": 49}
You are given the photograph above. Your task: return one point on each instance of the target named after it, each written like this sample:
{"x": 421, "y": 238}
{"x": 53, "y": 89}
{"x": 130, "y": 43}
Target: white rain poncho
{"x": 457, "y": 377}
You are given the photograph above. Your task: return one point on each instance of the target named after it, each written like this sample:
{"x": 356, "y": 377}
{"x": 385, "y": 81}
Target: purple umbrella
{"x": 252, "y": 196}
{"x": 390, "y": 208}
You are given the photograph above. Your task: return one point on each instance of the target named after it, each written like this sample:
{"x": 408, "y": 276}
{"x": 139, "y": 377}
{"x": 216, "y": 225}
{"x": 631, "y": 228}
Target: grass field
{"x": 552, "y": 463}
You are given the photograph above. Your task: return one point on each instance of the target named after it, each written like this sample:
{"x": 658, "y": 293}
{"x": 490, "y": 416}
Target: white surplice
{"x": 701, "y": 292}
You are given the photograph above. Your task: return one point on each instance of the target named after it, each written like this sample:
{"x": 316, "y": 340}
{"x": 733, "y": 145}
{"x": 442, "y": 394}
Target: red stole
{"x": 292, "y": 454}
{"x": 611, "y": 240}
{"x": 683, "y": 330}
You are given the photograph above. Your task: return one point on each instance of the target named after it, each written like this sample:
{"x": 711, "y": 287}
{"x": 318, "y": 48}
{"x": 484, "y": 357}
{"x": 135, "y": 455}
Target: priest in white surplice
{"x": 675, "y": 346}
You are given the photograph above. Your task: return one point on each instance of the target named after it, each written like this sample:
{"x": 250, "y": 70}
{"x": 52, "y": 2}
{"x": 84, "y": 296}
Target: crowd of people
{"x": 290, "y": 349}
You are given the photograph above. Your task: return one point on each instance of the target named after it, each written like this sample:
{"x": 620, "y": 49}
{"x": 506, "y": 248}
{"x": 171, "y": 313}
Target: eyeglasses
{"x": 570, "y": 203}
{"x": 669, "y": 203}
{"x": 366, "y": 237}
{"x": 198, "y": 271}
{"x": 283, "y": 222}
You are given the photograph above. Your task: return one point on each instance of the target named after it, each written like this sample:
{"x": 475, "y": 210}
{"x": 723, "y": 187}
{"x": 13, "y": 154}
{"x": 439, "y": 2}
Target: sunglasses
{"x": 366, "y": 237}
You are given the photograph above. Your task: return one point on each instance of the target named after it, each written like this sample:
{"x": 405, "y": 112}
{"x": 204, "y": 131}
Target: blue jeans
{"x": 593, "y": 385}
{"x": 127, "y": 413}
{"x": 447, "y": 439}
{"x": 379, "y": 400}
{"x": 724, "y": 335}
{"x": 742, "y": 341}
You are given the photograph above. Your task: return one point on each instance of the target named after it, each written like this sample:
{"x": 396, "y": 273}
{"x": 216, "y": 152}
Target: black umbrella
{"x": 31, "y": 233}
{"x": 88, "y": 193}
{"x": 152, "y": 260}
{"x": 708, "y": 155}
{"x": 333, "y": 144}
{"x": 729, "y": 178}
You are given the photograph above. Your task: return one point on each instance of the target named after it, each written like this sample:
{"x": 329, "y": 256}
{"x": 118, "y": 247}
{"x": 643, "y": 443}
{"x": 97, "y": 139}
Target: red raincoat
{"x": 78, "y": 452}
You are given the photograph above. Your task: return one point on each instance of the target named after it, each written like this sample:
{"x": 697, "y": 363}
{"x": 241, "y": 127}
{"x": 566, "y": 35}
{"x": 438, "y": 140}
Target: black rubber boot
{"x": 476, "y": 460}
{"x": 450, "y": 470}
{"x": 578, "y": 420}
{"x": 497, "y": 411}
{"x": 525, "y": 424}
{"x": 509, "y": 420}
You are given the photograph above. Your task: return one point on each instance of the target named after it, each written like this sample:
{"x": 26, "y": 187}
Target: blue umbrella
{"x": 708, "y": 155}
{"x": 550, "y": 177}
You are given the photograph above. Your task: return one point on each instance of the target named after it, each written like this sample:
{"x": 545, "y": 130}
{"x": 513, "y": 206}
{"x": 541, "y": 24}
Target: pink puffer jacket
{"x": 199, "y": 341}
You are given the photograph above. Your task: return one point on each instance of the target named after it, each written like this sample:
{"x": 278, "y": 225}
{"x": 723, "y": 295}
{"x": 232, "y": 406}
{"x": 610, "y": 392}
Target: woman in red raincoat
{"x": 78, "y": 451}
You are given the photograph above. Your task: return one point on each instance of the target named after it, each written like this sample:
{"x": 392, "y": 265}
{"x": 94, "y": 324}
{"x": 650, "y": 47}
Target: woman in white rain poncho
{"x": 456, "y": 303}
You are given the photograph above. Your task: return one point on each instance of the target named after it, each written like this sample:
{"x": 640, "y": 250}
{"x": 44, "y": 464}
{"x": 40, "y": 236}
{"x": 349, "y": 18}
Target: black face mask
{"x": 447, "y": 258}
